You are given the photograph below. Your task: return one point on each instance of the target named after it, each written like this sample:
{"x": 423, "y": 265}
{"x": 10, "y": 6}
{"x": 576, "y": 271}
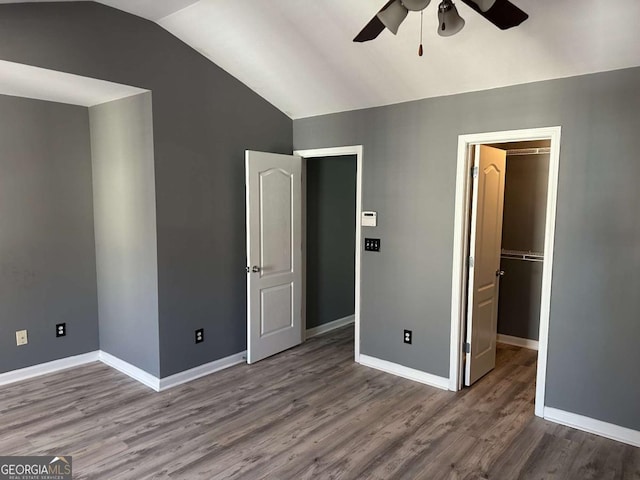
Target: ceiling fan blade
{"x": 373, "y": 28}
{"x": 370, "y": 31}
{"x": 503, "y": 14}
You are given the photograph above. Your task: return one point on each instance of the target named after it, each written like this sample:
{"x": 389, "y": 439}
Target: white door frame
{"x": 460, "y": 247}
{"x": 335, "y": 152}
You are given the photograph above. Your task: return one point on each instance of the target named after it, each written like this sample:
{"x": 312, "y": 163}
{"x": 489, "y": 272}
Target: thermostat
{"x": 369, "y": 219}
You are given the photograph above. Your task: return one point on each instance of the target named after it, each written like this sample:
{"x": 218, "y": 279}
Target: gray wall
{"x": 204, "y": 119}
{"x": 409, "y": 178}
{"x": 520, "y": 297}
{"x": 331, "y": 238}
{"x": 525, "y": 202}
{"x": 124, "y": 205}
{"x": 47, "y": 260}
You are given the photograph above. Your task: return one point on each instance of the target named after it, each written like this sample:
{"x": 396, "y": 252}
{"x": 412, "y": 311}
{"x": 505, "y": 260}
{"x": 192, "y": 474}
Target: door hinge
{"x": 467, "y": 348}
{"x": 471, "y": 262}
{"x": 474, "y": 172}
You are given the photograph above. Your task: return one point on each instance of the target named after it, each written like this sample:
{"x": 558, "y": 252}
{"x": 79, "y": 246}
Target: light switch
{"x": 372, "y": 244}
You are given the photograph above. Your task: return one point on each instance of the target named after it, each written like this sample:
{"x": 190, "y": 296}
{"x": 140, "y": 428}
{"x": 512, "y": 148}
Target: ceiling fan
{"x": 502, "y": 13}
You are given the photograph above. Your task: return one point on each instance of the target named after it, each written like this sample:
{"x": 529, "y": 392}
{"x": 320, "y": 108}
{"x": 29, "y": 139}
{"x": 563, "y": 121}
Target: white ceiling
{"x": 151, "y": 9}
{"x": 299, "y": 55}
{"x": 20, "y": 80}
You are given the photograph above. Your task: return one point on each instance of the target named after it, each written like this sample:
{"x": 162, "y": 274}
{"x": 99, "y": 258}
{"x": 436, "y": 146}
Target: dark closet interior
{"x": 523, "y": 233}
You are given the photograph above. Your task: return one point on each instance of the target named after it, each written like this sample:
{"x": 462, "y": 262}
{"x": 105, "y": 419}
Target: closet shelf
{"x": 527, "y": 256}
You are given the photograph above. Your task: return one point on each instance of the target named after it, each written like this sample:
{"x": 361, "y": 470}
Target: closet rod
{"x": 528, "y": 256}
{"x": 529, "y": 151}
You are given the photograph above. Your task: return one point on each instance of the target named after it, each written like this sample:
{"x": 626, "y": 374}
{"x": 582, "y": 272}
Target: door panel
{"x": 276, "y": 312}
{"x": 484, "y": 321}
{"x": 276, "y": 187}
{"x": 485, "y": 247}
{"x": 274, "y": 253}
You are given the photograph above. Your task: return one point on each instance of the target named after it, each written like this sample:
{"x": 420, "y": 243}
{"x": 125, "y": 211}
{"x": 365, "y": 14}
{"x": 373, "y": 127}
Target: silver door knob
{"x": 499, "y": 273}
{"x": 255, "y": 269}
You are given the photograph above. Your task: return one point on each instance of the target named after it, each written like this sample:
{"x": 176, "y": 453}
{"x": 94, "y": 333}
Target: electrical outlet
{"x": 61, "y": 330}
{"x": 408, "y": 334}
{"x": 200, "y": 335}
{"x": 21, "y": 337}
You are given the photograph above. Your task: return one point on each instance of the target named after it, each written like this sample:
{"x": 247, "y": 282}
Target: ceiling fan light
{"x": 416, "y": 5}
{"x": 484, "y": 5}
{"x": 449, "y": 21}
{"x": 393, "y": 16}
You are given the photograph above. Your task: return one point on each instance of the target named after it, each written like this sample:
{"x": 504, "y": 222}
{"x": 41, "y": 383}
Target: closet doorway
{"x": 506, "y": 253}
{"x": 503, "y": 251}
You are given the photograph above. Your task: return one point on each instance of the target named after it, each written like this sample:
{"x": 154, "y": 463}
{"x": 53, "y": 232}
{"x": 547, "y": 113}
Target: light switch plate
{"x": 372, "y": 244}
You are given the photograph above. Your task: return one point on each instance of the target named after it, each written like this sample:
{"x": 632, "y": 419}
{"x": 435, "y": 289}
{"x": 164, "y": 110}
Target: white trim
{"x": 327, "y": 327}
{"x": 46, "y": 368}
{"x": 518, "y": 341}
{"x": 459, "y": 246}
{"x": 128, "y": 369}
{"x": 201, "y": 371}
{"x": 132, "y": 371}
{"x": 591, "y": 425}
{"x": 460, "y": 252}
{"x": 405, "y": 372}
{"x": 547, "y": 271}
{"x": 356, "y": 150}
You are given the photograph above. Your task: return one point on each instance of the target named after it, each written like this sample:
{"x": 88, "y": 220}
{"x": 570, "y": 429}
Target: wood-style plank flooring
{"x": 308, "y": 413}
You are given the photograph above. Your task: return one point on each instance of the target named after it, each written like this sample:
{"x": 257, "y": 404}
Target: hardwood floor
{"x": 307, "y": 413}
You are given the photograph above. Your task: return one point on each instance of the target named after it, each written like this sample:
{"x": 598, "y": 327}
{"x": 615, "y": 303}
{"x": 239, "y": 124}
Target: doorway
{"x": 276, "y": 262}
{"x": 316, "y": 155}
{"x": 329, "y": 190}
{"x": 506, "y": 240}
{"x": 473, "y": 282}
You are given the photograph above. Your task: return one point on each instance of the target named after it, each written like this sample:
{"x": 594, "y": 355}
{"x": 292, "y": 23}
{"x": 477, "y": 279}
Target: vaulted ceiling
{"x": 299, "y": 55}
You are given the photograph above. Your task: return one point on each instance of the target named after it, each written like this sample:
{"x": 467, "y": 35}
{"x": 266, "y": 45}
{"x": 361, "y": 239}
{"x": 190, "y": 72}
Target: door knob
{"x": 499, "y": 273}
{"x": 255, "y": 269}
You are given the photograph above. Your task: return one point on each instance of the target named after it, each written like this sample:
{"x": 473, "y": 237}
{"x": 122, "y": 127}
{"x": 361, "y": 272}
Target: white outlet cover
{"x": 21, "y": 337}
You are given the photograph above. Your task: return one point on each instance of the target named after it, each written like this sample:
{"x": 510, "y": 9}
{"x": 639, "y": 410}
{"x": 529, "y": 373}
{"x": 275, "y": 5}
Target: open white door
{"x": 274, "y": 253}
{"x": 484, "y": 263}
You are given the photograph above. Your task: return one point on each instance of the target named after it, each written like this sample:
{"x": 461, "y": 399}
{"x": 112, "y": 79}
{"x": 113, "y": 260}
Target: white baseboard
{"x": 48, "y": 367}
{"x": 518, "y": 341}
{"x": 202, "y": 370}
{"x": 327, "y": 327}
{"x": 132, "y": 371}
{"x": 128, "y": 369}
{"x": 591, "y": 425}
{"x": 405, "y": 372}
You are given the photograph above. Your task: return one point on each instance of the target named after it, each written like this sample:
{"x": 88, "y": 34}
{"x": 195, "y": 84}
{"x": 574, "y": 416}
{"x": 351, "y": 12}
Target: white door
{"x": 484, "y": 264}
{"x": 274, "y": 253}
